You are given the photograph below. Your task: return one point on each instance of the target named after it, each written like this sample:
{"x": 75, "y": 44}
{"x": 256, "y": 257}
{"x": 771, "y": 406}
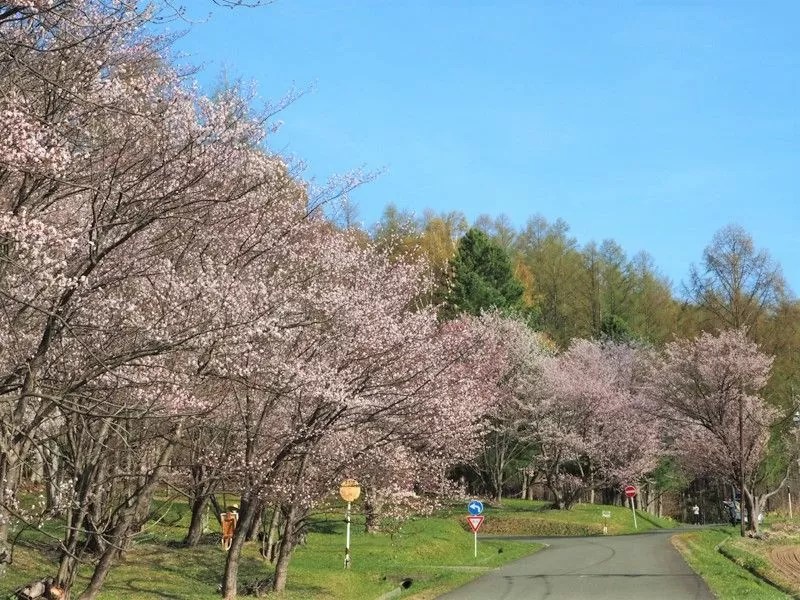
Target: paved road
{"x": 640, "y": 567}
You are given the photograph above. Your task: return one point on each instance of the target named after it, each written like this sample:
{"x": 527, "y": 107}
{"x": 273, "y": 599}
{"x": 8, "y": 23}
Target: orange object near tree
{"x": 229, "y": 520}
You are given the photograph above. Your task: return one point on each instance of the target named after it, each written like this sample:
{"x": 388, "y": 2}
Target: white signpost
{"x": 630, "y": 492}
{"x": 475, "y": 520}
{"x": 349, "y": 490}
{"x": 606, "y": 517}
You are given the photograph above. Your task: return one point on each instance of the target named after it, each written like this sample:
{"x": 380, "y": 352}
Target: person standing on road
{"x": 696, "y": 514}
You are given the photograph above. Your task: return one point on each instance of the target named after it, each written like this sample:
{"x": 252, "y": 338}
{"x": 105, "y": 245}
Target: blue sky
{"x": 654, "y": 123}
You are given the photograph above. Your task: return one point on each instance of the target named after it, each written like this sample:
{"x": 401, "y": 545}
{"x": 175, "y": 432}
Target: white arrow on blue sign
{"x": 475, "y": 507}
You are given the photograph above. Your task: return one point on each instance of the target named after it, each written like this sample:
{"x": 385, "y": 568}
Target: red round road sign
{"x": 630, "y": 491}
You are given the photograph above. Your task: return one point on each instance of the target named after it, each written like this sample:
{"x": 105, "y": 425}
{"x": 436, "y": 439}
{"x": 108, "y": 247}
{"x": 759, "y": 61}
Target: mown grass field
{"x": 435, "y": 552}
{"x": 735, "y": 567}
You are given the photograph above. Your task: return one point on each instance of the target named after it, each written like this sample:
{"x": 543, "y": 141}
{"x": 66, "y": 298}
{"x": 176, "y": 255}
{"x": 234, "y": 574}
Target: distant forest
{"x": 597, "y": 290}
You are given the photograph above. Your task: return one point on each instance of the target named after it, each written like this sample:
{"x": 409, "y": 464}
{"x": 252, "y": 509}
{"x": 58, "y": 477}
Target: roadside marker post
{"x": 789, "y": 492}
{"x": 606, "y": 517}
{"x": 475, "y": 520}
{"x": 349, "y": 490}
{"x": 630, "y": 492}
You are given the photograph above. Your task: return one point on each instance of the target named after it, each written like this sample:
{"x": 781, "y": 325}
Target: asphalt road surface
{"x": 628, "y": 567}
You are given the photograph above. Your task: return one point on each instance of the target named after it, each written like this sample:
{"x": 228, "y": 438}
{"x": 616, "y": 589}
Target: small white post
{"x": 347, "y": 544}
{"x": 790, "y": 505}
{"x": 633, "y": 510}
{"x": 475, "y": 535}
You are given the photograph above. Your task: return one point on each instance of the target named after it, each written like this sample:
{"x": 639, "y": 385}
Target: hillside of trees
{"x": 597, "y": 291}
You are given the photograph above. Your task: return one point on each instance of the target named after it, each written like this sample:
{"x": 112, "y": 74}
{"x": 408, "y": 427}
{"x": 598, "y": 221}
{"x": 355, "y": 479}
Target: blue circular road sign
{"x": 475, "y": 507}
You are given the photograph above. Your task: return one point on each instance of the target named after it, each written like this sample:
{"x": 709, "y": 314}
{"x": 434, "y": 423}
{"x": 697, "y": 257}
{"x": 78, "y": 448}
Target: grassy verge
{"x": 436, "y": 553}
{"x": 525, "y": 517}
{"x": 729, "y": 577}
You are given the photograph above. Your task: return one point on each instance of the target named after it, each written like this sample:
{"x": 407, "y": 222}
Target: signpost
{"x": 789, "y": 491}
{"x": 475, "y": 507}
{"x": 630, "y": 492}
{"x": 475, "y": 520}
{"x": 349, "y": 490}
{"x": 606, "y": 517}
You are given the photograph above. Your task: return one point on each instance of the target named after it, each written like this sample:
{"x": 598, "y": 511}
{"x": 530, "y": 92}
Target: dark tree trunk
{"x": 195, "y": 531}
{"x": 252, "y": 531}
{"x": 126, "y": 520}
{"x": 285, "y": 554}
{"x": 217, "y": 508}
{"x": 95, "y": 542}
{"x": 230, "y": 576}
{"x": 272, "y": 541}
{"x": 372, "y": 512}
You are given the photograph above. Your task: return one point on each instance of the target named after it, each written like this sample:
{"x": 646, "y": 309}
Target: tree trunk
{"x": 95, "y": 542}
{"x": 229, "y": 578}
{"x": 217, "y": 508}
{"x": 285, "y": 554}
{"x": 559, "y": 502}
{"x": 195, "y": 531}
{"x": 750, "y": 504}
{"x": 272, "y": 541}
{"x": 127, "y": 520}
{"x": 9, "y": 480}
{"x": 5, "y": 549}
{"x": 741, "y": 467}
{"x": 102, "y": 568}
{"x": 252, "y": 531}
{"x": 372, "y": 512}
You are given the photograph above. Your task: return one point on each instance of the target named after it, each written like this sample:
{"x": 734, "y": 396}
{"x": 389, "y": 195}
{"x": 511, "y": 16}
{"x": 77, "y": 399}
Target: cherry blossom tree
{"x": 350, "y": 364}
{"x": 128, "y": 207}
{"x": 509, "y": 439}
{"x": 709, "y": 388}
{"x": 589, "y": 422}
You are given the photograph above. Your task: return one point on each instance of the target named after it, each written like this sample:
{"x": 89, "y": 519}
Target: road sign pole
{"x": 606, "y": 516}
{"x": 347, "y": 543}
{"x": 349, "y": 490}
{"x": 633, "y": 510}
{"x": 475, "y": 522}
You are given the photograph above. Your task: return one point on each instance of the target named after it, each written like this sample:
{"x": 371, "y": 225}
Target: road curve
{"x": 628, "y": 567}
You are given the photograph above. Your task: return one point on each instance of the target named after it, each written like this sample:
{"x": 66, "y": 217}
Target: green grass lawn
{"x": 525, "y": 517}
{"x": 435, "y": 552}
{"x": 728, "y": 579}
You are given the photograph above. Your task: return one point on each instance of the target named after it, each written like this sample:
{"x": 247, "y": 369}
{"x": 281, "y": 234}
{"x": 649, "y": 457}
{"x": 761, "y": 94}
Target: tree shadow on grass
{"x": 140, "y": 586}
{"x": 324, "y": 526}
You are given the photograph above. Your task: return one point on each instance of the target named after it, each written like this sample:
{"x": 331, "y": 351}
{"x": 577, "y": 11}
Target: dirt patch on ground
{"x": 786, "y": 560}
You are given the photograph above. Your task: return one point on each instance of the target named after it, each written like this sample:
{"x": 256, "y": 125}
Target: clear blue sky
{"x": 654, "y": 123}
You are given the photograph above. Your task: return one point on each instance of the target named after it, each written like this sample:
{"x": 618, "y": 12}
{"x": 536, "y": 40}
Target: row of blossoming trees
{"x": 176, "y": 309}
{"x": 175, "y": 306}
{"x": 602, "y": 414}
